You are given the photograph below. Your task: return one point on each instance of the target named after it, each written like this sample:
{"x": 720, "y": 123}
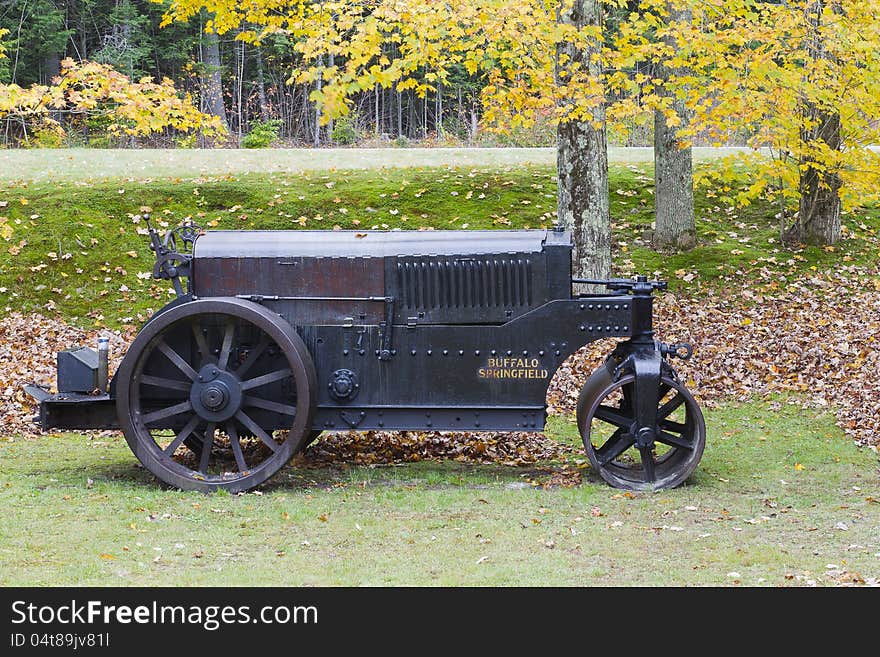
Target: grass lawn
{"x": 780, "y": 498}
{"x": 77, "y": 164}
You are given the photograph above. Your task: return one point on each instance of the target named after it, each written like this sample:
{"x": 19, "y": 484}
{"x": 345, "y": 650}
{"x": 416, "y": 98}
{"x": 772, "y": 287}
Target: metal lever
{"x": 171, "y": 264}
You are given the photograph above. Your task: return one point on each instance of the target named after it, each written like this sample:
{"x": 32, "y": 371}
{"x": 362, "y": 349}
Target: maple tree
{"x": 97, "y": 92}
{"x": 798, "y": 79}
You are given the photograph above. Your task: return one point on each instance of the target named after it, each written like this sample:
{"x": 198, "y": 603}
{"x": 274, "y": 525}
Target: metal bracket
{"x": 646, "y": 362}
{"x": 352, "y": 422}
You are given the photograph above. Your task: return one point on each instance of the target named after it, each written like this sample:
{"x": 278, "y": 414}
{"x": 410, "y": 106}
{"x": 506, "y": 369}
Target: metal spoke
{"x": 257, "y": 430}
{"x": 201, "y": 343}
{"x": 223, "y": 361}
{"x": 614, "y": 447}
{"x": 252, "y": 357}
{"x": 162, "y": 382}
{"x": 677, "y": 427}
{"x": 271, "y": 377}
{"x": 170, "y": 411}
{"x": 183, "y": 435}
{"x": 178, "y": 360}
{"x": 648, "y": 463}
{"x": 235, "y": 441}
{"x": 667, "y": 408}
{"x": 613, "y": 416}
{"x": 257, "y": 402}
{"x": 207, "y": 445}
{"x": 674, "y": 441}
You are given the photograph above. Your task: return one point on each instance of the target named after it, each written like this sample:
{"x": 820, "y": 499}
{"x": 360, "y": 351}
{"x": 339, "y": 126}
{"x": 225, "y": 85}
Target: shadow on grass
{"x": 427, "y": 474}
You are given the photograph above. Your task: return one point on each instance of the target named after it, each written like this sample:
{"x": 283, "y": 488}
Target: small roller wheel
{"x": 635, "y": 457}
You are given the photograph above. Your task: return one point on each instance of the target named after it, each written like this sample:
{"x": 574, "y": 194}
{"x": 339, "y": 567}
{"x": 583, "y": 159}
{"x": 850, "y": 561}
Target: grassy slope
{"x": 75, "y": 250}
{"x": 79, "y": 511}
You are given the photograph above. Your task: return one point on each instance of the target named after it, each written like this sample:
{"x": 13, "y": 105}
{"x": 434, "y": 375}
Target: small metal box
{"x": 77, "y": 370}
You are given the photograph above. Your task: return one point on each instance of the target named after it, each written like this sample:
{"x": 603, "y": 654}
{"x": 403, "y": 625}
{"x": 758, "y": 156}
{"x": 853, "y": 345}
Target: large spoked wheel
{"x": 674, "y": 445}
{"x": 216, "y": 393}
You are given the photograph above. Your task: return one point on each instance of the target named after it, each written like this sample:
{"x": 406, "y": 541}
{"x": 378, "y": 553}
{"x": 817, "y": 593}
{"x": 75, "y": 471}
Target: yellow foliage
{"x": 742, "y": 68}
{"x": 766, "y": 71}
{"x": 88, "y": 88}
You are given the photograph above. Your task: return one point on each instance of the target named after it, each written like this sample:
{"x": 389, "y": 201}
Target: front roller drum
{"x": 216, "y": 394}
{"x": 631, "y": 455}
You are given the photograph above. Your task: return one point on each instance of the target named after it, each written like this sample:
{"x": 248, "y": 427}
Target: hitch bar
{"x": 639, "y": 284}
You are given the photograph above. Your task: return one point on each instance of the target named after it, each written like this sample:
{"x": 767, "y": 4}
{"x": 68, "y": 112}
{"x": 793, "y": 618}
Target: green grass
{"x": 767, "y": 502}
{"x": 75, "y": 250}
{"x": 79, "y": 164}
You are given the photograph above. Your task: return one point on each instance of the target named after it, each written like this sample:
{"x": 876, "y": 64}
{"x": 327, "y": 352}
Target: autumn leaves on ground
{"x": 786, "y": 365}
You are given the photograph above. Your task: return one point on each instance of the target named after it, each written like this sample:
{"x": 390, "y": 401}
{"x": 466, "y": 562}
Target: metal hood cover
{"x": 350, "y": 243}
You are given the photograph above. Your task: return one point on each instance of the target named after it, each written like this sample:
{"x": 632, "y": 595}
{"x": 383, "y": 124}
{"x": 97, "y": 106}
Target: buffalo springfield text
{"x": 513, "y": 368}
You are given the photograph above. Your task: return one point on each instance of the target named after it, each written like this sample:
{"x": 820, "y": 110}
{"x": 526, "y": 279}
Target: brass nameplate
{"x": 513, "y": 368}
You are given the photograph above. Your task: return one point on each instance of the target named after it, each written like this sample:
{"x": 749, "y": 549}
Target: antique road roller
{"x": 276, "y": 336}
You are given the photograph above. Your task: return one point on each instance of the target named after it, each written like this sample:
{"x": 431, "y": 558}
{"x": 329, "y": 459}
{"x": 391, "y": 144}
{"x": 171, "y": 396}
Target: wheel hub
{"x": 645, "y": 437}
{"x": 216, "y": 395}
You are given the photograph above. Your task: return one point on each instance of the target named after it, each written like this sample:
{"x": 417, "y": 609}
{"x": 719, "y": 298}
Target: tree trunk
{"x": 51, "y": 67}
{"x": 475, "y": 123}
{"x": 399, "y": 113}
{"x": 673, "y": 167}
{"x": 818, "y": 219}
{"x": 438, "y": 112}
{"x": 330, "y": 124}
{"x": 376, "y": 113}
{"x": 673, "y": 189}
{"x": 212, "y": 80}
{"x": 239, "y": 89}
{"x": 582, "y": 161}
{"x": 261, "y": 87}
{"x": 316, "y": 141}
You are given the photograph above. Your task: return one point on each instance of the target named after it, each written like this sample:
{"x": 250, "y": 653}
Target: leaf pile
{"x": 28, "y": 347}
{"x": 816, "y": 337}
{"x": 378, "y": 447}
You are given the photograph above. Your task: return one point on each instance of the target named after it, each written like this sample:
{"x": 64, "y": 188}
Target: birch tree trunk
{"x": 673, "y": 168}
{"x": 582, "y": 161}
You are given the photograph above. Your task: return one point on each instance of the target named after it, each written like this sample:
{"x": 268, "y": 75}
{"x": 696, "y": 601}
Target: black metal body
{"x": 440, "y": 330}
{"x": 301, "y": 332}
